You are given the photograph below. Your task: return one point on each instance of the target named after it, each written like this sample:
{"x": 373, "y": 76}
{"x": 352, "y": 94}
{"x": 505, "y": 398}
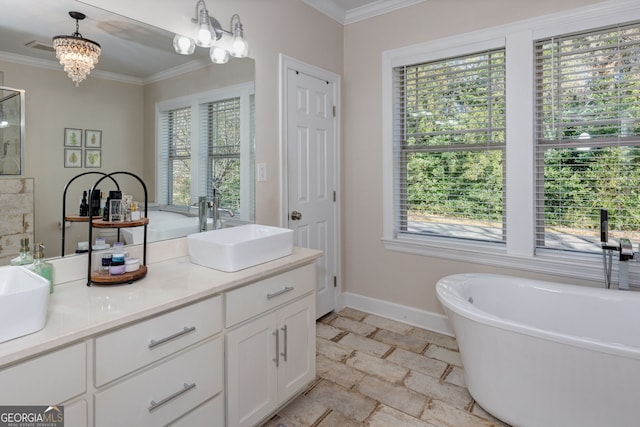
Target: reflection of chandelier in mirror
{"x": 77, "y": 54}
{"x": 209, "y": 33}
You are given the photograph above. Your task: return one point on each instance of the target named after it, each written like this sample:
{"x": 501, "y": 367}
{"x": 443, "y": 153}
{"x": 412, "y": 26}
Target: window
{"x": 222, "y": 136}
{"x": 205, "y": 142}
{"x": 570, "y": 114}
{"x": 176, "y": 130}
{"x": 588, "y": 137}
{"x": 449, "y": 139}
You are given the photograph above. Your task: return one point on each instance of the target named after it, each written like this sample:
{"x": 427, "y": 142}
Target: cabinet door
{"x": 251, "y": 371}
{"x": 296, "y": 325}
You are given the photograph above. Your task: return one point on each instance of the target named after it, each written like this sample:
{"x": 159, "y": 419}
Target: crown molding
{"x": 378, "y": 8}
{"x": 336, "y": 12}
{"x": 122, "y": 78}
{"x": 194, "y": 65}
{"x": 53, "y": 65}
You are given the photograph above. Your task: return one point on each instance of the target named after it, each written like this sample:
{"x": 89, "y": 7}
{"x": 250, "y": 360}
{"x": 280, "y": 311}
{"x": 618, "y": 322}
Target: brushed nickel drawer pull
{"x": 277, "y": 358}
{"x": 186, "y": 387}
{"x": 185, "y": 330}
{"x": 284, "y": 353}
{"x": 280, "y": 292}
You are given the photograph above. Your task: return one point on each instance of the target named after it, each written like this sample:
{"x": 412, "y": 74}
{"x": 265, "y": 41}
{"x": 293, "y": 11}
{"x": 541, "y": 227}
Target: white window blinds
{"x": 587, "y": 136}
{"x": 175, "y": 157}
{"x": 449, "y": 142}
{"x": 220, "y": 125}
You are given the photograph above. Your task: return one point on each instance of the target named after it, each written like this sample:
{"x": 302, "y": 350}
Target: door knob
{"x": 295, "y": 216}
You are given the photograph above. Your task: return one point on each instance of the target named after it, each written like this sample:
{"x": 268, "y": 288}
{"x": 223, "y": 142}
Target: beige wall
{"x": 54, "y": 103}
{"x": 369, "y": 269}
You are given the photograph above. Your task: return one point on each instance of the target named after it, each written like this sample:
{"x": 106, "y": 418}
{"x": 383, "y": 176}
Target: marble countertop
{"x": 78, "y": 312}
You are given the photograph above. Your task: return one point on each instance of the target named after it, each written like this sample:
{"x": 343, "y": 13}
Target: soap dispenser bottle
{"x": 42, "y": 267}
{"x": 25, "y": 256}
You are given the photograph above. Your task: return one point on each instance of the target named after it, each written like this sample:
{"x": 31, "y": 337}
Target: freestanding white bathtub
{"x": 544, "y": 354}
{"x": 163, "y": 225}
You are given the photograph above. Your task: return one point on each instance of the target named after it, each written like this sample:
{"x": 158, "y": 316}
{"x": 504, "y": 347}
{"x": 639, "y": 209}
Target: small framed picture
{"x": 92, "y": 158}
{"x": 72, "y": 137}
{"x": 73, "y": 157}
{"x": 92, "y": 138}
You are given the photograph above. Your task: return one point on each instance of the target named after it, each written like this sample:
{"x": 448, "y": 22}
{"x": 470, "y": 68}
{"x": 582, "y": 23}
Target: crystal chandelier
{"x": 77, "y": 54}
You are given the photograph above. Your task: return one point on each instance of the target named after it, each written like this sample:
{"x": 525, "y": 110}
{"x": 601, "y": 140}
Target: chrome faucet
{"x": 215, "y": 212}
{"x": 625, "y": 253}
{"x": 214, "y": 205}
{"x": 202, "y": 213}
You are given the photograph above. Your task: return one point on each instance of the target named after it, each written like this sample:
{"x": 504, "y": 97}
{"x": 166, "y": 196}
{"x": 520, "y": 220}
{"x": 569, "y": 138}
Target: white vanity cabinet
{"x": 207, "y": 349}
{"x": 271, "y": 353}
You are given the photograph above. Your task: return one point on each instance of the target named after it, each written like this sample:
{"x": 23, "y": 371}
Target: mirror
{"x": 138, "y": 72}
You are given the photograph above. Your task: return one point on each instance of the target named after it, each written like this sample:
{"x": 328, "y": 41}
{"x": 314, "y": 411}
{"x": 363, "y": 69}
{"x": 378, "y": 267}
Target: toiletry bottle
{"x": 95, "y": 197}
{"x": 42, "y": 267}
{"x": 25, "y": 256}
{"x": 105, "y": 210}
{"x": 84, "y": 206}
{"x": 135, "y": 212}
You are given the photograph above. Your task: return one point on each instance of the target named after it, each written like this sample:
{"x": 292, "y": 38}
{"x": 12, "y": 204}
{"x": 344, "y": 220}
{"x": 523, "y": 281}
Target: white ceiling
{"x": 131, "y": 51}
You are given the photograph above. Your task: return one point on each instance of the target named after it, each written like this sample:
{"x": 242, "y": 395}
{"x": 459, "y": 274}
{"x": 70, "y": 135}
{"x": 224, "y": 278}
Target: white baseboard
{"x": 435, "y": 322}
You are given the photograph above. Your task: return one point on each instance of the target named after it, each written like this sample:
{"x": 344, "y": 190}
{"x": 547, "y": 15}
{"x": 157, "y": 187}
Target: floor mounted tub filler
{"x": 538, "y": 353}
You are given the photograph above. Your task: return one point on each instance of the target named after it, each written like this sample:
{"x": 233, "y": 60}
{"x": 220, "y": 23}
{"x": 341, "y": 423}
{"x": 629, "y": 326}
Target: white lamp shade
{"x": 183, "y": 45}
{"x": 205, "y": 35}
{"x": 219, "y": 55}
{"x": 240, "y": 47}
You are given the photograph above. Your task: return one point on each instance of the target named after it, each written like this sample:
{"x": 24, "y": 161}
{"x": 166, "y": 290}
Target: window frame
{"x": 402, "y": 149}
{"x": 519, "y": 39}
{"x": 199, "y": 150}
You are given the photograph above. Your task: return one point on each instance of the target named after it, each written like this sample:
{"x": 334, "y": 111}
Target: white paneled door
{"x": 311, "y": 163}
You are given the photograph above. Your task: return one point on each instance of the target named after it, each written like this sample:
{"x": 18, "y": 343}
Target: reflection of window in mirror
{"x": 205, "y": 142}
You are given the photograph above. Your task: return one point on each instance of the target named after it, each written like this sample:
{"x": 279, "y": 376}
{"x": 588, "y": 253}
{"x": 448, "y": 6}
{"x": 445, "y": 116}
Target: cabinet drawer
{"x": 165, "y": 392}
{"x": 46, "y": 380}
{"x": 208, "y": 414}
{"x": 251, "y": 300}
{"x": 127, "y": 349}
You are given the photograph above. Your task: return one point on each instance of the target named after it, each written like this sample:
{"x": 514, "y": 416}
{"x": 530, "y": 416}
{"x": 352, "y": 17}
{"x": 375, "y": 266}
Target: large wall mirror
{"x": 137, "y": 85}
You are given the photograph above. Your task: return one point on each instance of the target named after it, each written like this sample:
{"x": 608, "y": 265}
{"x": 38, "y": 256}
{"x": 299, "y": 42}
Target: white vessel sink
{"x": 236, "y": 248}
{"x": 23, "y": 302}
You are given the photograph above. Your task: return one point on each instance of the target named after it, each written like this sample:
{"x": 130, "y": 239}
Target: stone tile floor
{"x": 377, "y": 372}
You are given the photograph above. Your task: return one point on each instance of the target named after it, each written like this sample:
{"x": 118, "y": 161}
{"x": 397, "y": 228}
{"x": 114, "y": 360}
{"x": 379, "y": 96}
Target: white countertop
{"x": 77, "y": 311}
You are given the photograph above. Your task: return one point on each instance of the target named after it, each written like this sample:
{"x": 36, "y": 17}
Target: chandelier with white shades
{"x": 208, "y": 33}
